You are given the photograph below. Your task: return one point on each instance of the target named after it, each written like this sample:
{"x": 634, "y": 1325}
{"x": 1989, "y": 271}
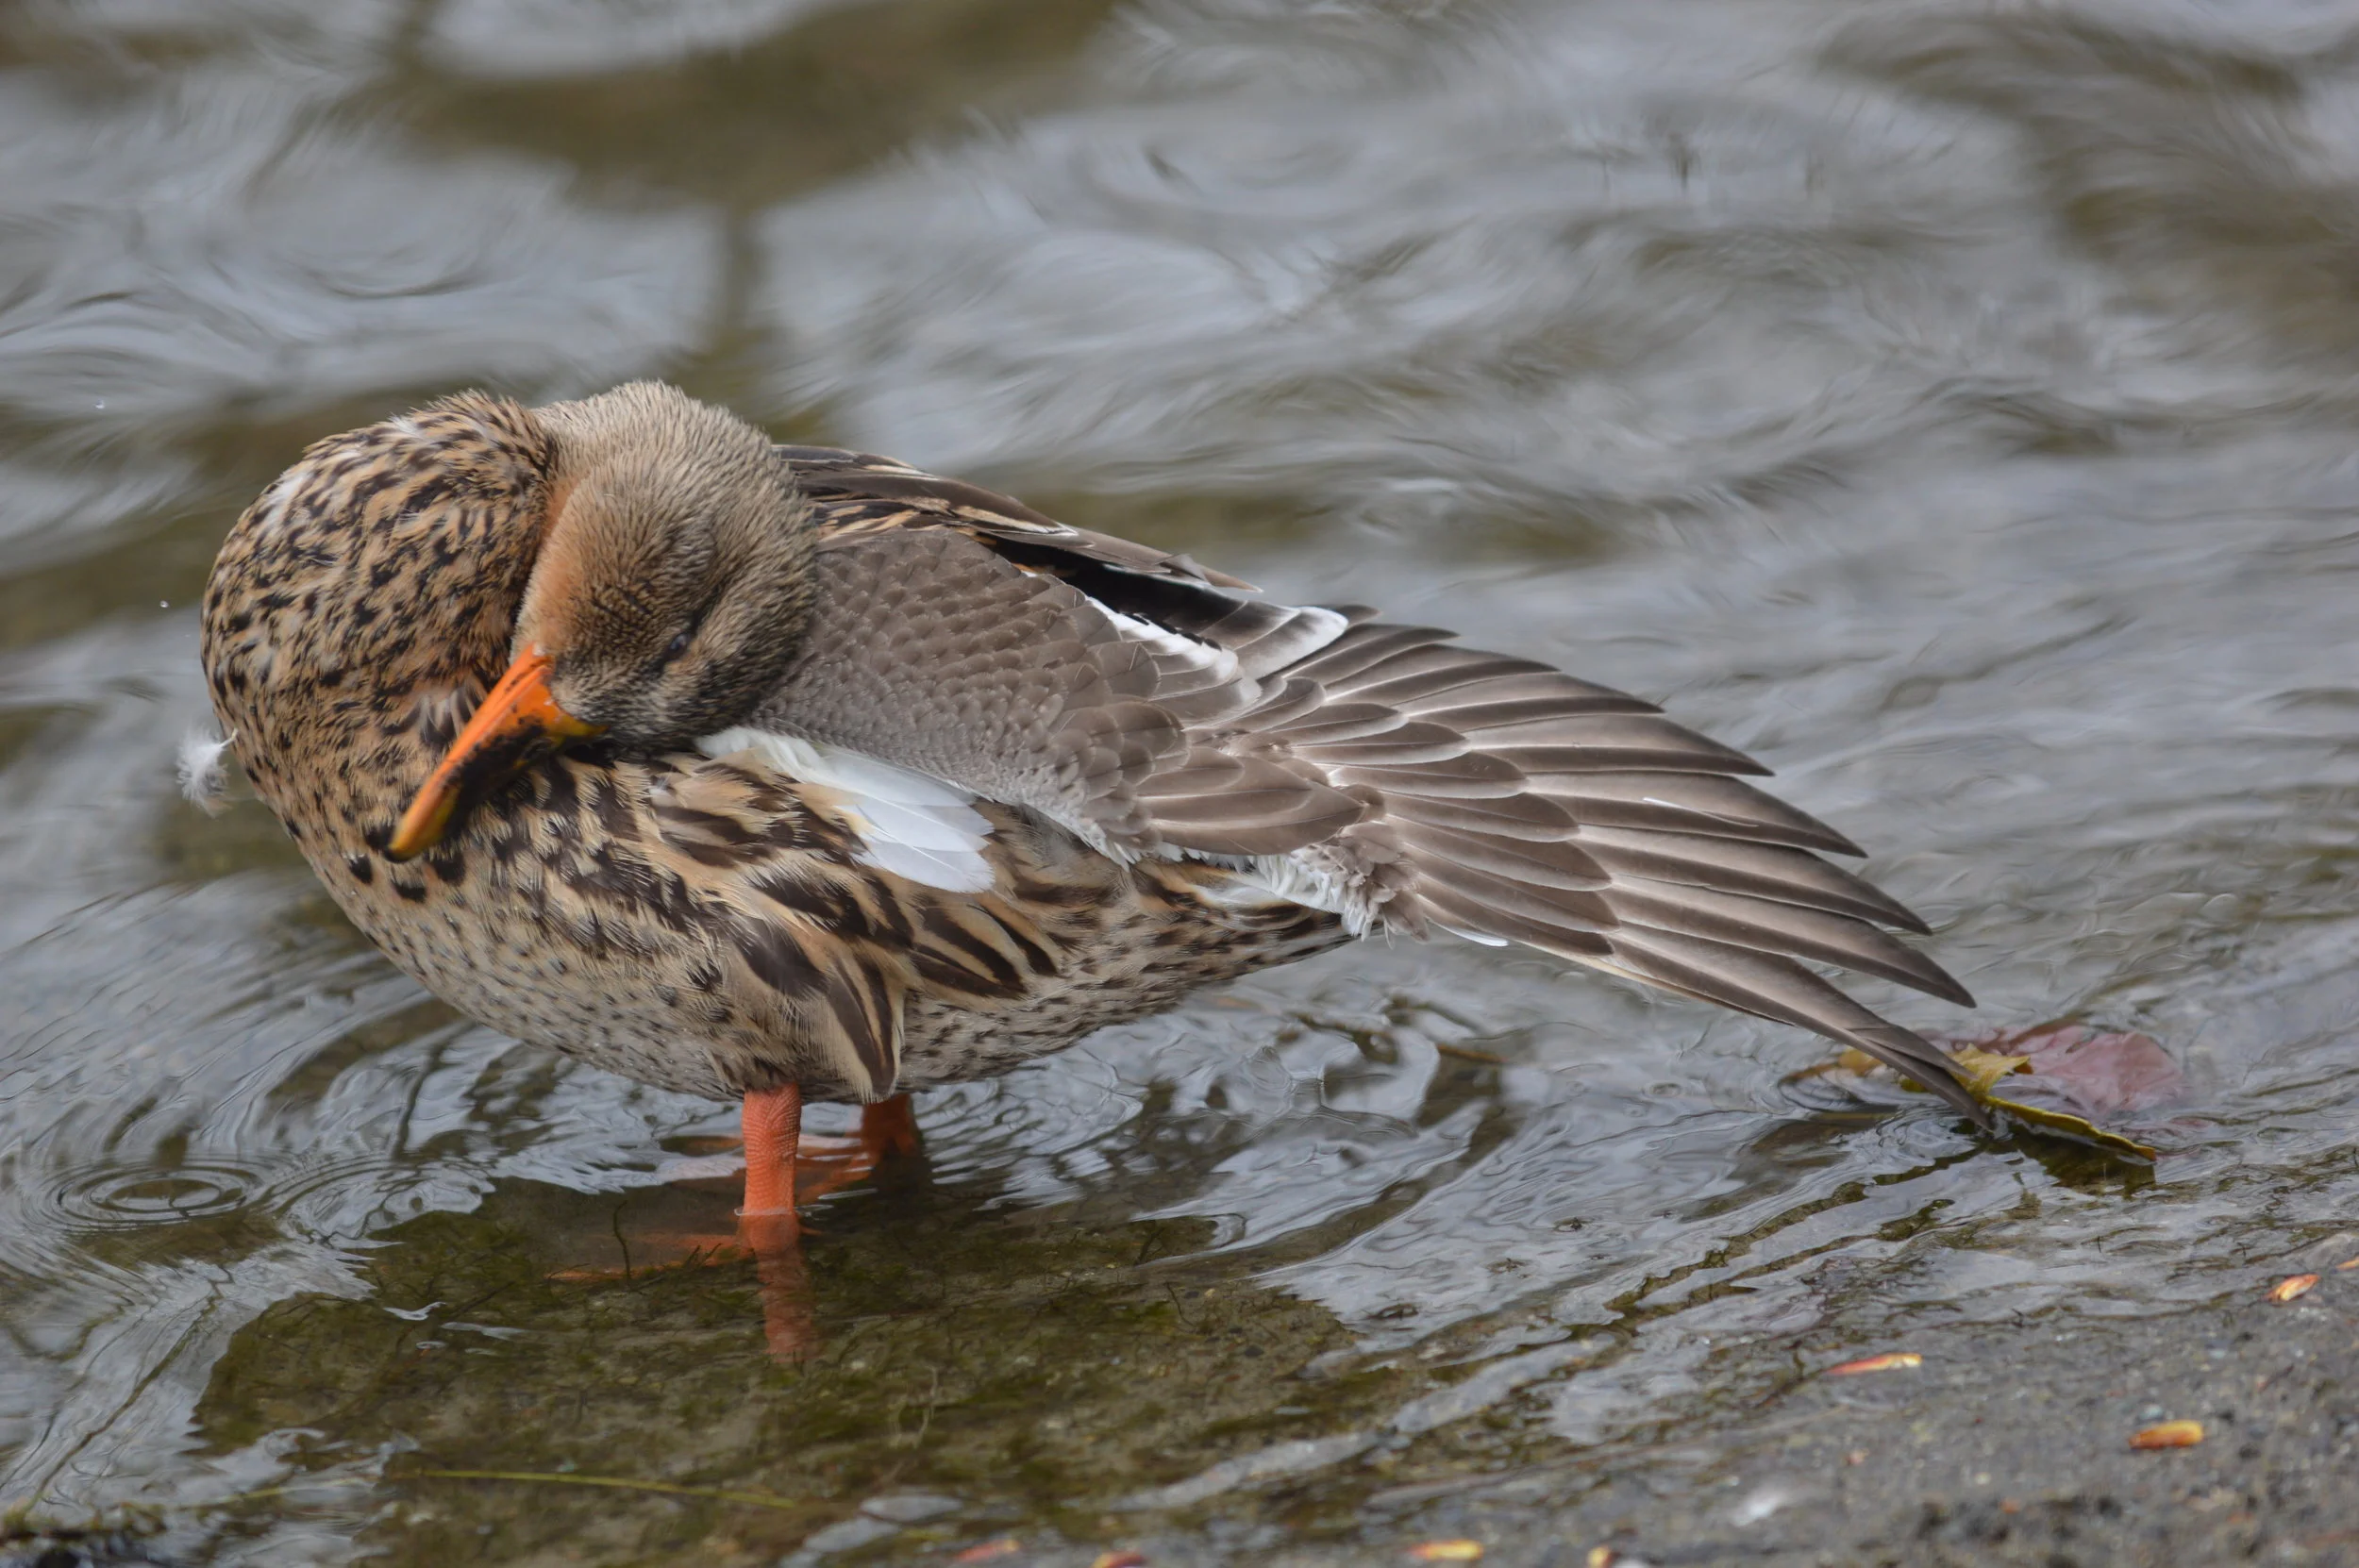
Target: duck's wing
{"x": 1156, "y": 707}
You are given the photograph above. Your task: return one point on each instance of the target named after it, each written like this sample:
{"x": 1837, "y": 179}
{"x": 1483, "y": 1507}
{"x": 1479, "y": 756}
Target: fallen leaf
{"x": 1007, "y": 1546}
{"x": 1601, "y": 1557}
{"x": 1448, "y": 1551}
{"x": 2170, "y": 1434}
{"x": 1120, "y": 1560}
{"x": 2063, "y": 1079}
{"x": 2292, "y": 1286}
{"x": 2074, "y": 1081}
{"x": 2066, "y": 1124}
{"x": 2113, "y": 1071}
{"x": 1895, "y": 1360}
{"x": 2353, "y": 1264}
{"x": 1982, "y": 1069}
{"x": 1857, "y": 1456}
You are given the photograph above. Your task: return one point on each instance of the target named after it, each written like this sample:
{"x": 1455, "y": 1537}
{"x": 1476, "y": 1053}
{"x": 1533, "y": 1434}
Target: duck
{"x": 781, "y": 774}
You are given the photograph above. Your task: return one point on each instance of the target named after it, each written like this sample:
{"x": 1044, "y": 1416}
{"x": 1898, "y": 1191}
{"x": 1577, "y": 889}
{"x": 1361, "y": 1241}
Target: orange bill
{"x": 516, "y": 719}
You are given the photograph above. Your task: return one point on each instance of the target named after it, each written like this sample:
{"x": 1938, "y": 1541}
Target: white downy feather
{"x": 1296, "y": 879}
{"x": 1300, "y": 879}
{"x": 204, "y": 775}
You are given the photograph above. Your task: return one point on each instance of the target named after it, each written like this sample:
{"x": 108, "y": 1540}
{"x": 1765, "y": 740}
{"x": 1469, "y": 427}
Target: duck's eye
{"x": 678, "y": 647}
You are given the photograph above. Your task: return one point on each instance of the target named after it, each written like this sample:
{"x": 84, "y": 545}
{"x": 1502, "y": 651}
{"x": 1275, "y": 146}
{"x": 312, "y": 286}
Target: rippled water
{"x": 1953, "y": 408}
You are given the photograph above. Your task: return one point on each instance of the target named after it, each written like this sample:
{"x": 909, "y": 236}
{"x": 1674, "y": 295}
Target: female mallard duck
{"x": 811, "y": 775}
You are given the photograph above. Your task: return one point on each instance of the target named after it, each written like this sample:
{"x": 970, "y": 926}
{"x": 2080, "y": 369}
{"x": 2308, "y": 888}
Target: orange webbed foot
{"x": 783, "y": 1168}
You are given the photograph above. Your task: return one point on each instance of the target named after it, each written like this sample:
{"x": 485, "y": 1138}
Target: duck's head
{"x": 668, "y": 596}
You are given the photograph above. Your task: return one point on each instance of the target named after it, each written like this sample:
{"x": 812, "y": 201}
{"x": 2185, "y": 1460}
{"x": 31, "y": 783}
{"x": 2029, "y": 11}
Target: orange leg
{"x": 889, "y": 1126}
{"x": 773, "y": 1120}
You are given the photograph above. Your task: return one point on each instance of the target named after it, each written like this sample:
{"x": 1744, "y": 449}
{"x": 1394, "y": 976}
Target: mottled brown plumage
{"x": 1127, "y": 775}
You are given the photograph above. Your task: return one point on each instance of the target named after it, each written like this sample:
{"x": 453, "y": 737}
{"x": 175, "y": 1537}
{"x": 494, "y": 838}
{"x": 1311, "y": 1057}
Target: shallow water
{"x": 1953, "y": 408}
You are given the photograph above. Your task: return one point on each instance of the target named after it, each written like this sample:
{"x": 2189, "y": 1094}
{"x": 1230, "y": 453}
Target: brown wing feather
{"x": 1141, "y": 700}
{"x": 1705, "y": 884}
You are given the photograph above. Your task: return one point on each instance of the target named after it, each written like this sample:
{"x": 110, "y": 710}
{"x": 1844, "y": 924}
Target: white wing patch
{"x": 1205, "y": 664}
{"x": 910, "y": 824}
{"x": 1212, "y": 680}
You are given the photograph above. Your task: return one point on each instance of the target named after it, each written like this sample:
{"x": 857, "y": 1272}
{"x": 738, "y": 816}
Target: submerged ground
{"x": 1952, "y": 407}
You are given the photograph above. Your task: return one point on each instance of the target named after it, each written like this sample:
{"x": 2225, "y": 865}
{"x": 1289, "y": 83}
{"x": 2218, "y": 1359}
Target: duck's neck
{"x": 360, "y": 608}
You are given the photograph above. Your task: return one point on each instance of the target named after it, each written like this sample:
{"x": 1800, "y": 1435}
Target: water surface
{"x": 1954, "y": 408}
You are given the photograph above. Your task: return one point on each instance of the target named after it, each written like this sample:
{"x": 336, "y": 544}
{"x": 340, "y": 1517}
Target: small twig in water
{"x": 620, "y": 1483}
{"x": 1469, "y": 1054}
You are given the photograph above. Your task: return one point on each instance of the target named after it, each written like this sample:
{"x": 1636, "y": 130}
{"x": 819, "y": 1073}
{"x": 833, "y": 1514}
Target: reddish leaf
{"x": 2293, "y": 1286}
{"x": 2081, "y": 1083}
{"x": 2104, "y": 1072}
{"x": 2170, "y": 1434}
